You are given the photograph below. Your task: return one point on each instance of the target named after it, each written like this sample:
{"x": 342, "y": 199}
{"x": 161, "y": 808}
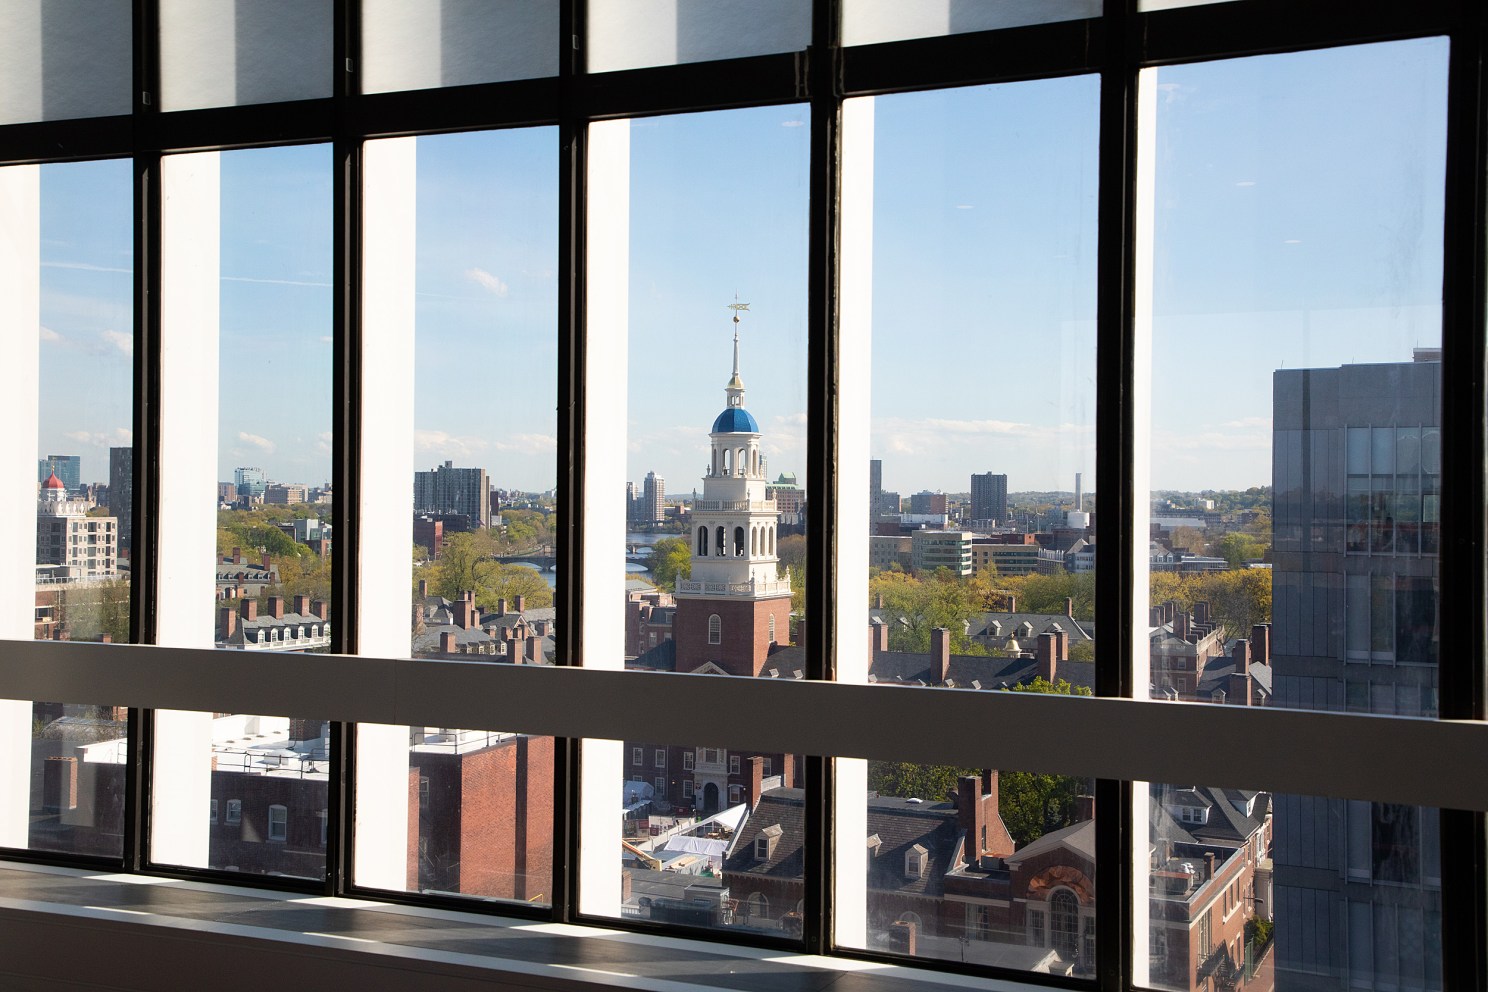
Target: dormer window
{"x": 914, "y": 862}
{"x": 765, "y": 842}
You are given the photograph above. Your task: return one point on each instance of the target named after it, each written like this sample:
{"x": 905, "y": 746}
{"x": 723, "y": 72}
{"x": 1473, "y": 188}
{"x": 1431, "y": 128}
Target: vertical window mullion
{"x": 1115, "y": 362}
{"x": 1464, "y": 837}
{"x": 567, "y": 592}
{"x": 821, "y": 416}
{"x": 146, "y": 426}
{"x": 346, "y": 426}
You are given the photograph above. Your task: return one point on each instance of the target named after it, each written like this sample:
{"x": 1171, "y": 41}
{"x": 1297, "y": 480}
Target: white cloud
{"x": 277, "y": 282}
{"x": 47, "y": 334}
{"x": 323, "y": 443}
{"x": 84, "y": 267}
{"x": 119, "y": 437}
{"x": 258, "y": 441}
{"x": 326, "y": 339}
{"x": 442, "y": 444}
{"x": 483, "y": 278}
{"x": 528, "y": 444}
{"x": 793, "y": 123}
{"x": 123, "y": 342}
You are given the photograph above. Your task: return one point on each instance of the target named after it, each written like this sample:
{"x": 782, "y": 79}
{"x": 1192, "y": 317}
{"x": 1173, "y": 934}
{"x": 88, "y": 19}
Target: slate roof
{"x": 899, "y": 824}
{"x": 1079, "y": 837}
{"x": 1228, "y": 824}
{"x": 903, "y": 668}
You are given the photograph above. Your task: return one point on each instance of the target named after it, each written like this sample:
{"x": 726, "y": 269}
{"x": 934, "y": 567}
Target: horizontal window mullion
{"x": 1259, "y": 27}
{"x": 1007, "y": 55}
{"x": 1346, "y": 755}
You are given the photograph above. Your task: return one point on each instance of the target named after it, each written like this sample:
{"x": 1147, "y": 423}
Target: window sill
{"x": 150, "y": 931}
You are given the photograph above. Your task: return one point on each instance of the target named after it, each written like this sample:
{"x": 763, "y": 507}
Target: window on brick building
{"x": 235, "y": 811}
{"x": 213, "y": 817}
{"x": 733, "y": 764}
{"x": 278, "y": 822}
{"x": 637, "y": 756}
{"x": 660, "y": 759}
{"x": 689, "y": 759}
{"x": 715, "y": 629}
{"x": 660, "y": 784}
{"x": 687, "y": 788}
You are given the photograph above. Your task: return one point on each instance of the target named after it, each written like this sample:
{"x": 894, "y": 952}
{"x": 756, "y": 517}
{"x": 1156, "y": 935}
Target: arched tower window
{"x": 772, "y": 628}
{"x": 715, "y": 629}
{"x": 772, "y": 540}
{"x": 1064, "y": 924}
{"x": 743, "y": 461}
{"x": 719, "y": 543}
{"x": 727, "y": 458}
{"x": 754, "y": 540}
{"x": 738, "y": 542}
{"x": 702, "y": 545}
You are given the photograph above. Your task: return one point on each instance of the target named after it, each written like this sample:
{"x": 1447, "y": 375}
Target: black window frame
{"x": 1116, "y": 46}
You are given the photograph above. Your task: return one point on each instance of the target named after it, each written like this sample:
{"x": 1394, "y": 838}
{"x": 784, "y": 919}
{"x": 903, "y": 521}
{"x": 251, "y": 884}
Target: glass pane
{"x": 1298, "y": 223}
{"x": 83, "y": 579}
{"x": 708, "y": 425}
{"x": 60, "y": 61}
{"x": 867, "y": 22}
{"x": 978, "y": 546}
{"x": 484, "y": 510}
{"x": 227, "y": 53}
{"x": 252, "y": 229}
{"x": 456, "y": 43}
{"x": 634, "y": 34}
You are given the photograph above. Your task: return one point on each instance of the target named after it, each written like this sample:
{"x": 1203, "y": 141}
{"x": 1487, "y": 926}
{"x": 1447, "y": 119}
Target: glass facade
{"x": 1148, "y": 286}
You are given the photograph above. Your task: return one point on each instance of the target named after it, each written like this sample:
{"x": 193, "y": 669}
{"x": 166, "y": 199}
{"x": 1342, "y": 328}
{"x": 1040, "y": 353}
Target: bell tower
{"x": 735, "y": 605}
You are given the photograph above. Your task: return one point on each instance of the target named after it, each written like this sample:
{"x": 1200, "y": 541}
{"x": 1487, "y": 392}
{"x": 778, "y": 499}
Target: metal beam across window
{"x": 1372, "y": 758}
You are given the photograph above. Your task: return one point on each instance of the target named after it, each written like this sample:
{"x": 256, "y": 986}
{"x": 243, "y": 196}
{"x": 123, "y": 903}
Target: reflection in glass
{"x": 1295, "y": 513}
{"x": 83, "y": 576}
{"x": 484, "y": 508}
{"x": 714, "y": 544}
{"x": 980, "y": 545}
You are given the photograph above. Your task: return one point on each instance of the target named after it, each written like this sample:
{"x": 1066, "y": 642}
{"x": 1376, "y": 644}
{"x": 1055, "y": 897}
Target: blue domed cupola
{"x": 735, "y": 456}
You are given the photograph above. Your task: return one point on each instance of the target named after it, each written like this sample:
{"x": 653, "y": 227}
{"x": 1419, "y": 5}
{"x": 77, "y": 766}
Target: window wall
{"x": 891, "y": 323}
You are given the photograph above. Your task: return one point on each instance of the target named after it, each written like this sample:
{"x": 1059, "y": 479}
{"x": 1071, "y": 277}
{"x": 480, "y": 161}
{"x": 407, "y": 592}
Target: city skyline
{"x": 718, "y": 207}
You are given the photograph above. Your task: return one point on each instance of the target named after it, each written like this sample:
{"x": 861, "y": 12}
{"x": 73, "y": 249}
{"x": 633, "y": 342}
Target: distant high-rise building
{"x": 632, "y": 503}
{"x": 927, "y": 502}
{"x": 121, "y": 493}
{"x": 989, "y": 497}
{"x": 250, "y": 481}
{"x": 653, "y": 500}
{"x": 68, "y": 468}
{"x": 875, "y": 488}
{"x": 68, "y": 538}
{"x": 446, "y": 489}
{"x": 1357, "y": 477}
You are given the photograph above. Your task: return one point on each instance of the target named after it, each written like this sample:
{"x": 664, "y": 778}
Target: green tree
{"x": 671, "y": 559}
{"x": 466, "y": 564}
{"x": 1237, "y": 548}
{"x": 910, "y": 781}
{"x": 91, "y": 611}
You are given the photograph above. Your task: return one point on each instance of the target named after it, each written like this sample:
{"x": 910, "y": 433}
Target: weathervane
{"x": 736, "y": 306}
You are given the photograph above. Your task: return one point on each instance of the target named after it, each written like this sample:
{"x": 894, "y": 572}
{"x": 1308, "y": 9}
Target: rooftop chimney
{"x": 970, "y": 816}
{"x": 1239, "y": 686}
{"x": 447, "y": 642}
{"x": 521, "y": 604}
{"x": 1084, "y": 808}
{"x": 1260, "y": 643}
{"x": 940, "y": 654}
{"x": 1241, "y": 655}
{"x": 755, "y": 785}
{"x": 318, "y": 609}
{"x": 1048, "y": 648}
{"x": 276, "y": 607}
{"x": 501, "y": 607}
{"x": 301, "y": 606}
{"x": 237, "y": 556}
{"x": 423, "y": 588}
{"x": 249, "y": 608}
{"x": 228, "y": 624}
{"x": 1069, "y": 607}
{"x": 1201, "y": 611}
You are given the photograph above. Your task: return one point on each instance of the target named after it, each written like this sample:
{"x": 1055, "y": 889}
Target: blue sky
{"x": 1298, "y": 223}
